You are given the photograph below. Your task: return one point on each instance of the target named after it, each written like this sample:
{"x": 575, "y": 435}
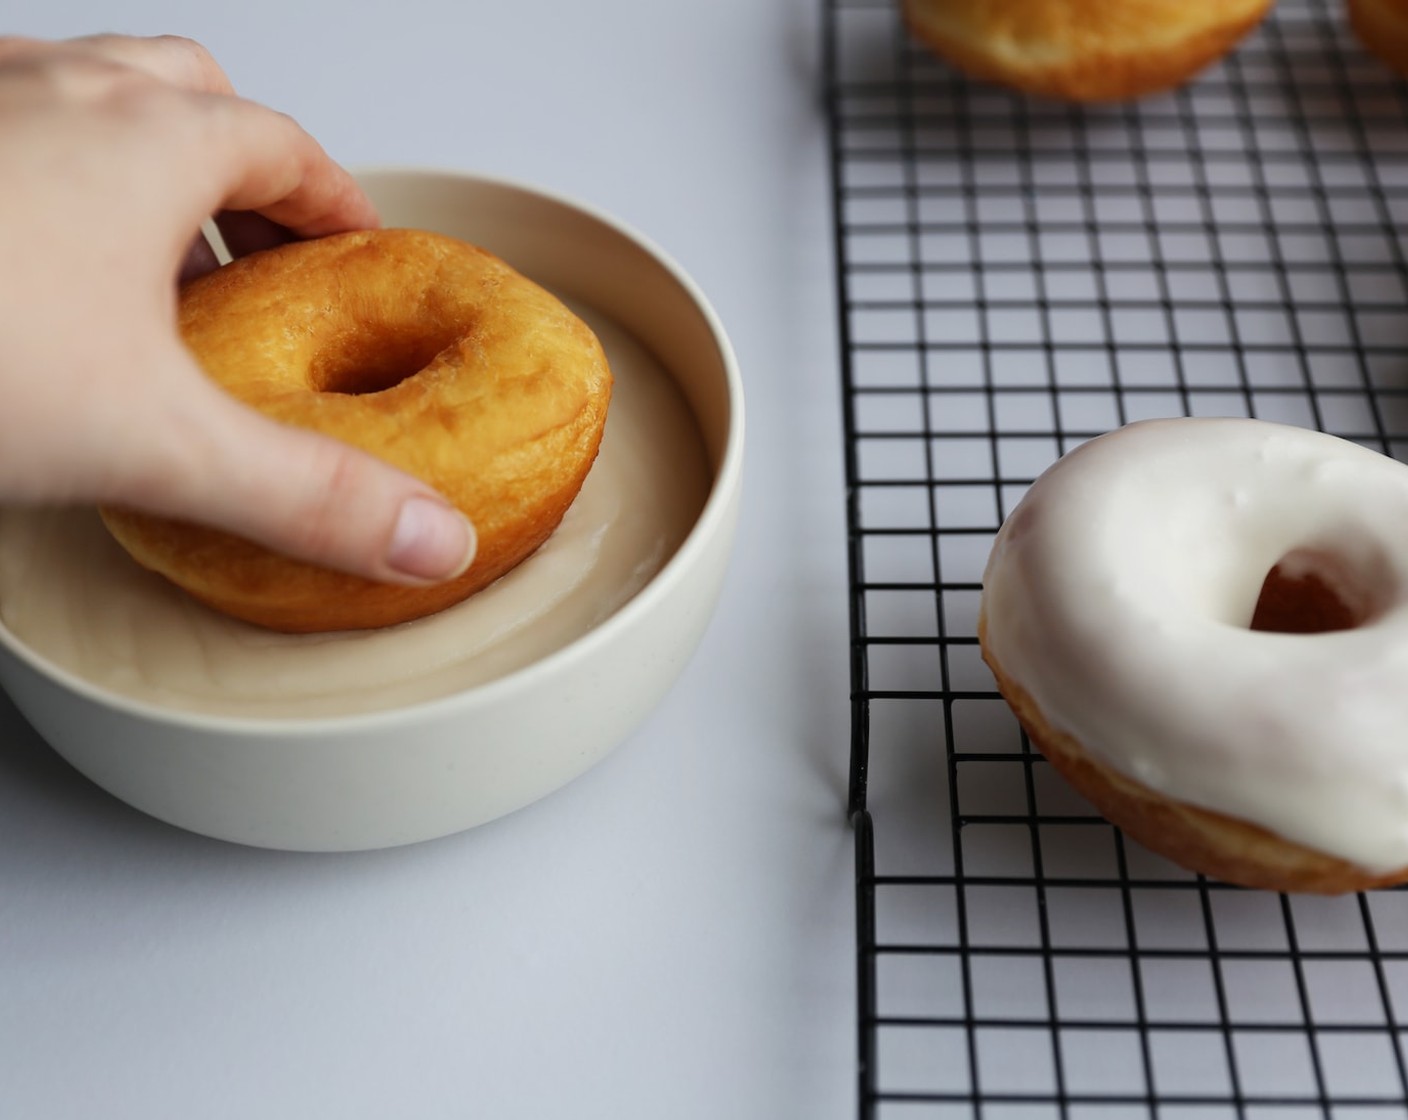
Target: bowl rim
{"x": 712, "y": 520}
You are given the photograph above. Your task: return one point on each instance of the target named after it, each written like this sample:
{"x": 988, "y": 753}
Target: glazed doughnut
{"x": 1203, "y": 625}
{"x": 1083, "y": 50}
{"x": 428, "y": 352}
{"x": 1382, "y": 27}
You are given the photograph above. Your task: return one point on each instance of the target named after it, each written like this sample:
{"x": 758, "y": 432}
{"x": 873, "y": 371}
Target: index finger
{"x": 263, "y": 161}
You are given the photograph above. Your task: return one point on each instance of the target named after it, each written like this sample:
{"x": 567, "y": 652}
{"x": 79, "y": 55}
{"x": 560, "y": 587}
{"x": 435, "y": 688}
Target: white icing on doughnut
{"x": 1119, "y": 595}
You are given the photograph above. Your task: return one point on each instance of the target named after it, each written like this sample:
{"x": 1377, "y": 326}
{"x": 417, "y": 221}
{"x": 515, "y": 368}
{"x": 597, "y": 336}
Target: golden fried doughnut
{"x": 427, "y": 352}
{"x": 1203, "y": 625}
{"x": 1382, "y": 26}
{"x": 1083, "y": 50}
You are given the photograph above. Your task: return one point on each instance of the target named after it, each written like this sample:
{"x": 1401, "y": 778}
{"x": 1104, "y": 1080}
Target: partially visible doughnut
{"x": 428, "y": 352}
{"x": 1382, "y": 27}
{"x": 1083, "y": 50}
{"x": 1203, "y": 625}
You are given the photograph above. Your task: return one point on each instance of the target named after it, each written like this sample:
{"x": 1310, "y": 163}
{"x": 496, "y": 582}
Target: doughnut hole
{"x": 1309, "y": 591}
{"x": 378, "y": 356}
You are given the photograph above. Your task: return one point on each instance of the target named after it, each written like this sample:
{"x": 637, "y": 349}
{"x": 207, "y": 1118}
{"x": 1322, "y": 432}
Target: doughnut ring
{"x": 1083, "y": 50}
{"x": 427, "y": 352}
{"x": 1203, "y": 625}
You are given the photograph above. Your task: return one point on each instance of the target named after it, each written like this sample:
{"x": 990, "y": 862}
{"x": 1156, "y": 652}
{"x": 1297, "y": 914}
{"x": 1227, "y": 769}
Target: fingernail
{"x": 431, "y": 541}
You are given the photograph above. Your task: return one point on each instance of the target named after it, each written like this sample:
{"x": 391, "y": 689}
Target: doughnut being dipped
{"x": 1203, "y": 625}
{"x": 425, "y": 351}
{"x": 1083, "y": 50}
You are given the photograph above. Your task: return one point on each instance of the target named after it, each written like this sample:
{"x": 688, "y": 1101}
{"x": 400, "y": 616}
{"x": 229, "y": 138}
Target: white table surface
{"x": 671, "y": 935}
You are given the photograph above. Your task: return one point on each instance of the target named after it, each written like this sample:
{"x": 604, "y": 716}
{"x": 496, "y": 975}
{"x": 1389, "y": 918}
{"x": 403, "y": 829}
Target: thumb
{"x": 302, "y": 494}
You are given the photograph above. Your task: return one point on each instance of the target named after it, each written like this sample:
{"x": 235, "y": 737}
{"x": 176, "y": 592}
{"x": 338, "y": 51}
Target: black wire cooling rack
{"x": 1016, "y": 276}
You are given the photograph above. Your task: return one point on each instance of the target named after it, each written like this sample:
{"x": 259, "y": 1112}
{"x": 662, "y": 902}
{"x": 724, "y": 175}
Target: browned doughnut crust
{"x": 1382, "y": 26}
{"x": 1083, "y": 50}
{"x": 1219, "y": 846}
{"x": 425, "y": 351}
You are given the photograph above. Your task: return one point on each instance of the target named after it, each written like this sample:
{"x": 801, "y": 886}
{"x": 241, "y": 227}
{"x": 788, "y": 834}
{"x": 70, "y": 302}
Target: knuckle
{"x": 183, "y": 45}
{"x": 201, "y": 69}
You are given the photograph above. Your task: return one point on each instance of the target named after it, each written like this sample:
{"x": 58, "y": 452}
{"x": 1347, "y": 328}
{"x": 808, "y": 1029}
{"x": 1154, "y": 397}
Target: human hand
{"x": 112, "y": 152}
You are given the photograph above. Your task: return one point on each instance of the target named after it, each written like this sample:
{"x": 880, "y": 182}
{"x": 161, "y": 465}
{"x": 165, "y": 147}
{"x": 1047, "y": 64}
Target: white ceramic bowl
{"x": 413, "y": 773}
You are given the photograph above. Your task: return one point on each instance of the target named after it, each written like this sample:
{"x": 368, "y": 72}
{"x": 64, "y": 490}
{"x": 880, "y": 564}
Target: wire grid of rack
{"x": 1016, "y": 276}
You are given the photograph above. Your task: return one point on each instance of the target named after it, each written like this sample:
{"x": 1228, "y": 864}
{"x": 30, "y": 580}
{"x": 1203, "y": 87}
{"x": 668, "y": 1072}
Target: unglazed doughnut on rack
{"x": 1016, "y": 278}
{"x": 1083, "y": 50}
{"x": 1382, "y": 26}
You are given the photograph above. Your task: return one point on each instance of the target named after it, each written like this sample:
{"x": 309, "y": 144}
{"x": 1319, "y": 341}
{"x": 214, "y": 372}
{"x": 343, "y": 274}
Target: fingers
{"x": 263, "y": 161}
{"x": 302, "y": 494}
{"x": 168, "y": 59}
{"x": 322, "y": 501}
{"x": 171, "y": 59}
{"x": 154, "y": 122}
{"x": 254, "y": 158}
